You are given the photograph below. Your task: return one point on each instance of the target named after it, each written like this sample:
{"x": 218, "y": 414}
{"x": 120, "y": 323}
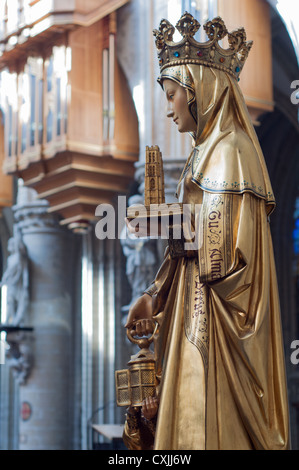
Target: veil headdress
{"x": 227, "y": 156}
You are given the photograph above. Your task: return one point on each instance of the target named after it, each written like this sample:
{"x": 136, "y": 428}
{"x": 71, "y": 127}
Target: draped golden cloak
{"x": 219, "y": 350}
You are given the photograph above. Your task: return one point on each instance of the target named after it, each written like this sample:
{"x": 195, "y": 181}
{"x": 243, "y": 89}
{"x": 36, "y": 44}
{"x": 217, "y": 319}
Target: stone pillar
{"x": 45, "y": 396}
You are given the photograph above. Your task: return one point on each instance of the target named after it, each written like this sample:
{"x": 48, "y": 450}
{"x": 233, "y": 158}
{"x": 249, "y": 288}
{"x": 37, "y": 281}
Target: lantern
{"x": 137, "y": 382}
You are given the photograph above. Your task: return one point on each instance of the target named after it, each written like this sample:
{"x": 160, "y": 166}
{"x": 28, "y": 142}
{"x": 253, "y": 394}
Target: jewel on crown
{"x": 210, "y": 53}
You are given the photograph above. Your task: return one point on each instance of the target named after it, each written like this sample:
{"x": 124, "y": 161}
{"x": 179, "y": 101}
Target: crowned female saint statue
{"x": 218, "y": 348}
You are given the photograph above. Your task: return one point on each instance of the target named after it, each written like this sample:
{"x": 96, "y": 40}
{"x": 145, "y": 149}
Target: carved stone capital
{"x": 31, "y": 213}
{"x": 34, "y": 215}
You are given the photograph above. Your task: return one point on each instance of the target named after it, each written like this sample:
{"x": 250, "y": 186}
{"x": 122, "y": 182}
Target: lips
{"x": 175, "y": 120}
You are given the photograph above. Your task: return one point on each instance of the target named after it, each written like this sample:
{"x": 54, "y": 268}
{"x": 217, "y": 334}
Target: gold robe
{"x": 219, "y": 350}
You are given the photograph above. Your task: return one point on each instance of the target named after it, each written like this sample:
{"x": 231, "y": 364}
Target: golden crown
{"x": 210, "y": 53}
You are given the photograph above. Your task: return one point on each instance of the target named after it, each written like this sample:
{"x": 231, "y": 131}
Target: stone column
{"x": 45, "y": 396}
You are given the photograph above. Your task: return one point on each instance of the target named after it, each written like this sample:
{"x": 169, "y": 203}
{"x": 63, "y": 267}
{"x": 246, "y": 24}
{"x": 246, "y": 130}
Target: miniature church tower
{"x": 154, "y": 192}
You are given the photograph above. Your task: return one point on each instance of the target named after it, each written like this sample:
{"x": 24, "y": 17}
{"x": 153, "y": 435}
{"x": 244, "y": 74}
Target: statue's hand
{"x": 150, "y": 407}
{"x": 140, "y": 321}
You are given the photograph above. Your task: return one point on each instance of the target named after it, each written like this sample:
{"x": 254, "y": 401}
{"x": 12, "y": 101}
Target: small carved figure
{"x": 19, "y": 355}
{"x": 16, "y": 278}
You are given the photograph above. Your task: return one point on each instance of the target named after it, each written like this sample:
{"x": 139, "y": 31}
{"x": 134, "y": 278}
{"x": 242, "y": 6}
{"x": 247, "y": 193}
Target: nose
{"x": 169, "y": 110}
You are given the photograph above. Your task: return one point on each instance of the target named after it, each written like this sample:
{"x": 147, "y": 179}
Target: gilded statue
{"x": 219, "y": 359}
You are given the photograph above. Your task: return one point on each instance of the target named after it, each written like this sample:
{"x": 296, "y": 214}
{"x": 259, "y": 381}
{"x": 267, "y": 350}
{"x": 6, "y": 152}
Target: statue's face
{"x": 178, "y": 108}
